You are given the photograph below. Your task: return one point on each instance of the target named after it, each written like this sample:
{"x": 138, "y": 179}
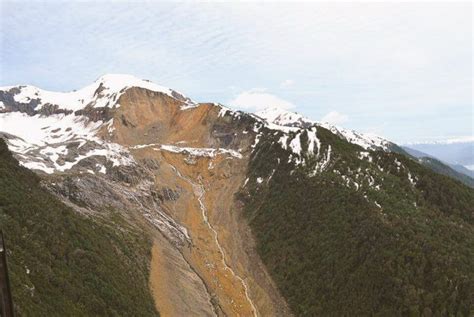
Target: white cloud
{"x": 258, "y": 99}
{"x": 286, "y": 83}
{"x": 335, "y": 117}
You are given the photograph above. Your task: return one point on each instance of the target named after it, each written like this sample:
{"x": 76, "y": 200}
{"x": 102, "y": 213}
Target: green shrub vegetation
{"x": 62, "y": 263}
{"x": 333, "y": 252}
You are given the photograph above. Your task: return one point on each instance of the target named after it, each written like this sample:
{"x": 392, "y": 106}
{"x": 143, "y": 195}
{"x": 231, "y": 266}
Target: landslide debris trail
{"x": 199, "y": 193}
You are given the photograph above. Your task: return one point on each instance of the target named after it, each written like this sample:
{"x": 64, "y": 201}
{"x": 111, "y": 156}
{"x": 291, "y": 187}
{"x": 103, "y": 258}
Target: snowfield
{"x": 57, "y": 142}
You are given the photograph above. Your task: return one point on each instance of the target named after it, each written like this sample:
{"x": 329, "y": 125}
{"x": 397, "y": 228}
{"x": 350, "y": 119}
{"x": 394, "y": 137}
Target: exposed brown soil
{"x": 176, "y": 288}
{"x": 219, "y": 272}
{"x": 236, "y": 278}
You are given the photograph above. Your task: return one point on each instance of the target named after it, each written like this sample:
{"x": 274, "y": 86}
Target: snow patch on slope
{"x": 366, "y": 141}
{"x": 58, "y": 142}
{"x": 41, "y": 130}
{"x": 287, "y": 121}
{"x": 203, "y": 152}
{"x": 295, "y": 144}
{"x": 313, "y": 141}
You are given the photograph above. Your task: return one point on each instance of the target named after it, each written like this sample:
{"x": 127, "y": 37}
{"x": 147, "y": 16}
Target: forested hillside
{"x": 62, "y": 263}
{"x": 374, "y": 233}
{"x": 441, "y": 168}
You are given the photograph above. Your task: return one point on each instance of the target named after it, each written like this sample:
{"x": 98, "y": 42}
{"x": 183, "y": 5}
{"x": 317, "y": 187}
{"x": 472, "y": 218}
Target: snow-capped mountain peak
{"x": 283, "y": 117}
{"x": 104, "y": 92}
{"x": 49, "y": 133}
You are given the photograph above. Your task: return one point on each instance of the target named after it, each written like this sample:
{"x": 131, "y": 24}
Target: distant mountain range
{"x": 458, "y": 155}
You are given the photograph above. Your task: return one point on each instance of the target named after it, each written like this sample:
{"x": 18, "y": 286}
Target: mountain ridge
{"x": 92, "y": 118}
{"x": 108, "y": 86}
{"x": 213, "y": 187}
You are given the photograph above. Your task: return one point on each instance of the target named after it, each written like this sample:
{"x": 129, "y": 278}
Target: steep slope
{"x": 245, "y": 208}
{"x": 65, "y": 263}
{"x": 286, "y": 118}
{"x": 202, "y": 155}
{"x": 463, "y": 170}
{"x": 164, "y": 163}
{"x": 346, "y": 231}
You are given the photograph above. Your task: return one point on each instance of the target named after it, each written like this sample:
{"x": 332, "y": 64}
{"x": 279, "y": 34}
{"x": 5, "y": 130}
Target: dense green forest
{"x": 62, "y": 263}
{"x": 334, "y": 252}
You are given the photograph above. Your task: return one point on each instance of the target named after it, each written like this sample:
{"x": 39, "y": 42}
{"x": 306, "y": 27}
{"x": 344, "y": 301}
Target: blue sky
{"x": 401, "y": 70}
